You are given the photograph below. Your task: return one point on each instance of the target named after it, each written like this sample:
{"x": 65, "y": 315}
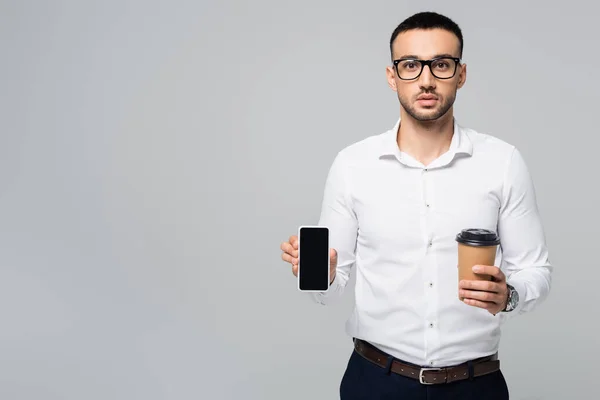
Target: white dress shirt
{"x": 395, "y": 220}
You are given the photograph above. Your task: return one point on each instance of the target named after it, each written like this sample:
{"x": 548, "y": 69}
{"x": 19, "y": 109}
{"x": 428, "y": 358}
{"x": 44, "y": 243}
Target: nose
{"x": 427, "y": 80}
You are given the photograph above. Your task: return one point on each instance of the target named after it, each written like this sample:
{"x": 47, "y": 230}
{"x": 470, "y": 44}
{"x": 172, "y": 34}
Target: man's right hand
{"x": 290, "y": 254}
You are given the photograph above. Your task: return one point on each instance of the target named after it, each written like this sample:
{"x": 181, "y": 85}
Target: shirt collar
{"x": 460, "y": 143}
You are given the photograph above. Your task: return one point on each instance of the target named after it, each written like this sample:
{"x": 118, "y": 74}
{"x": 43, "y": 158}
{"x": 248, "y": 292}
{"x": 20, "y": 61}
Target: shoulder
{"x": 484, "y": 141}
{"x": 491, "y": 148}
{"x": 364, "y": 150}
{"x": 498, "y": 154}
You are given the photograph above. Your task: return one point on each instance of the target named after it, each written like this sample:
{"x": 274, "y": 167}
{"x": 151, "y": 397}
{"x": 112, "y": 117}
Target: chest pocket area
{"x": 390, "y": 216}
{"x": 469, "y": 203}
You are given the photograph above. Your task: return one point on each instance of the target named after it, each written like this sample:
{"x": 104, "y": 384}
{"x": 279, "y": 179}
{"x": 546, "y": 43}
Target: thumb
{"x": 333, "y": 256}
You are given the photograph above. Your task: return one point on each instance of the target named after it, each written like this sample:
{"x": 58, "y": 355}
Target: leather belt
{"x": 428, "y": 376}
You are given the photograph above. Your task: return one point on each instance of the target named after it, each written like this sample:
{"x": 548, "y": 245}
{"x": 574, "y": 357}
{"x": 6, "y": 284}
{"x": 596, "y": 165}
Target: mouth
{"x": 427, "y": 100}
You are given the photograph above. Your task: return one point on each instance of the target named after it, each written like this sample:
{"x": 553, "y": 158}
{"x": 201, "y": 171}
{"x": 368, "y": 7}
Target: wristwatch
{"x": 512, "y": 300}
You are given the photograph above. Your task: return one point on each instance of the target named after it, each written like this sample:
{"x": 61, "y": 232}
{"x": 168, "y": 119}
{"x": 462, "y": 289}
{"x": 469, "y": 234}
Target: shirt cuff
{"x": 334, "y": 288}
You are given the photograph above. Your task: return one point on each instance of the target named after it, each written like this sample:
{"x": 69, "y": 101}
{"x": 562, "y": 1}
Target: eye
{"x": 409, "y": 65}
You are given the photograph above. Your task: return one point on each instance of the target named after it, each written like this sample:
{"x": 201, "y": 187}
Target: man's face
{"x": 426, "y": 98}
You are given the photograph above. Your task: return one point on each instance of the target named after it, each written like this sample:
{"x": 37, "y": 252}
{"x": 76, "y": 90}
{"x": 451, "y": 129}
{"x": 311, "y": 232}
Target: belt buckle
{"x": 424, "y": 370}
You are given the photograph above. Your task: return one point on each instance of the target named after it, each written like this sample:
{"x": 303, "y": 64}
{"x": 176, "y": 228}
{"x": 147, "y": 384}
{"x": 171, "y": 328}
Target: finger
{"x": 294, "y": 241}
{"x": 295, "y": 269}
{"x": 486, "y": 297}
{"x": 287, "y": 247}
{"x": 333, "y": 255}
{"x": 491, "y": 270}
{"x": 480, "y": 304}
{"x": 485, "y": 286}
{"x": 287, "y": 257}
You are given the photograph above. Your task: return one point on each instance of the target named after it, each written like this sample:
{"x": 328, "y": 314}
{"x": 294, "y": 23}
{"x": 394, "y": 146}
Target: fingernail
{"x": 476, "y": 268}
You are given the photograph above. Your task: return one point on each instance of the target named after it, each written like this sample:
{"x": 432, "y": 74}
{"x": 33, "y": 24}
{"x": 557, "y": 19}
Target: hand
{"x": 290, "y": 254}
{"x": 489, "y": 295}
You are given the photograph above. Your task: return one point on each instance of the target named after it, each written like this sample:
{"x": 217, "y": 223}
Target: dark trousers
{"x": 366, "y": 380}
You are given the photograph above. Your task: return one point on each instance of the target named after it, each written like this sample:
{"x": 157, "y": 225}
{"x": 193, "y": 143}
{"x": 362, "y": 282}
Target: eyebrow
{"x": 412, "y": 56}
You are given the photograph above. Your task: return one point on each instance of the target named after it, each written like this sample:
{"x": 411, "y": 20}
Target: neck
{"x": 425, "y": 140}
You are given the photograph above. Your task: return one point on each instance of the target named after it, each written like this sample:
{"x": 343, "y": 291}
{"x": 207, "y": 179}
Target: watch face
{"x": 511, "y": 304}
{"x": 514, "y": 298}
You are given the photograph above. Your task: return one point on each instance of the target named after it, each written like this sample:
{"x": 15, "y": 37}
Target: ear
{"x": 391, "y": 78}
{"x": 462, "y": 75}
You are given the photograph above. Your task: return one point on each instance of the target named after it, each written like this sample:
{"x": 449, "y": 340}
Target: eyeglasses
{"x": 440, "y": 67}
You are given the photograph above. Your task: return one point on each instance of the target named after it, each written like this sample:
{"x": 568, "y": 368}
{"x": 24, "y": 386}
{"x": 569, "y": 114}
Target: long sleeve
{"x": 525, "y": 259}
{"x": 338, "y": 215}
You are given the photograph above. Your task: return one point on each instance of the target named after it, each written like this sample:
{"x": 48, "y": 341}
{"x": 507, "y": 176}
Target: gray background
{"x": 151, "y": 163}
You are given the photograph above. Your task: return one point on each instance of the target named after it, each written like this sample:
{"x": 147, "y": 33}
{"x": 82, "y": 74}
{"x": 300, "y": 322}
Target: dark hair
{"x": 428, "y": 20}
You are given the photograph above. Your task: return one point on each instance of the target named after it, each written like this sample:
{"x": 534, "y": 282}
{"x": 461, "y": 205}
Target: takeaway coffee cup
{"x": 475, "y": 247}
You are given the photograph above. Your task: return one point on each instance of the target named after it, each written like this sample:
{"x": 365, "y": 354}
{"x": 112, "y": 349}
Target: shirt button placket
{"x": 427, "y": 201}
{"x": 431, "y": 333}
{"x": 425, "y": 188}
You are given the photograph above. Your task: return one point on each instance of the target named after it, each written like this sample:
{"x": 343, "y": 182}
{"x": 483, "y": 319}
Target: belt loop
{"x": 388, "y": 366}
{"x": 471, "y": 370}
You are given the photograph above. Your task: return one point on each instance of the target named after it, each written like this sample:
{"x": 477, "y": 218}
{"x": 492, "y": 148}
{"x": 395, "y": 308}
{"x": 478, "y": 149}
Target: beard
{"x": 427, "y": 114}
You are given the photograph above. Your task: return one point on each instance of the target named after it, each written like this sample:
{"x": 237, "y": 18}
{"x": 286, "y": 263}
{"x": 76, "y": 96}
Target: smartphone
{"x": 313, "y": 258}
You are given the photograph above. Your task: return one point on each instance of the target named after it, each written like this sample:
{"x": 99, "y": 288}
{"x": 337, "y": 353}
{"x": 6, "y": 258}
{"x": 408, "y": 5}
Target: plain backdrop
{"x": 154, "y": 155}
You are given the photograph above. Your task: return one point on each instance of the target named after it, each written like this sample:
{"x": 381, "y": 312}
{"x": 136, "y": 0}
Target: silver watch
{"x": 512, "y": 300}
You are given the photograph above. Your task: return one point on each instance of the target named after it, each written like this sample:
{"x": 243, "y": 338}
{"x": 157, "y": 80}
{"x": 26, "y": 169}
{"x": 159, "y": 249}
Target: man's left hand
{"x": 489, "y": 295}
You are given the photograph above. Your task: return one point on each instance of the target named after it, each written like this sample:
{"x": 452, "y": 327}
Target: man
{"x": 394, "y": 204}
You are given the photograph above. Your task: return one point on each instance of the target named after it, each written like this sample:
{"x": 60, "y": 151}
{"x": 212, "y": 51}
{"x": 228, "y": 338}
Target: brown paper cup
{"x": 475, "y": 247}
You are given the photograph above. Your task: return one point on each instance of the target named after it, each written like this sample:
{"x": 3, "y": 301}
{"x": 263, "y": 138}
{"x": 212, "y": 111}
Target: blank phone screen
{"x": 313, "y": 261}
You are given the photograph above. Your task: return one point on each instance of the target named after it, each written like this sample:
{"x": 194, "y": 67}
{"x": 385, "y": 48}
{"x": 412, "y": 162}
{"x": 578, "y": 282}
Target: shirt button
{"x": 430, "y": 284}
{"x": 431, "y": 324}
{"x": 430, "y": 243}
